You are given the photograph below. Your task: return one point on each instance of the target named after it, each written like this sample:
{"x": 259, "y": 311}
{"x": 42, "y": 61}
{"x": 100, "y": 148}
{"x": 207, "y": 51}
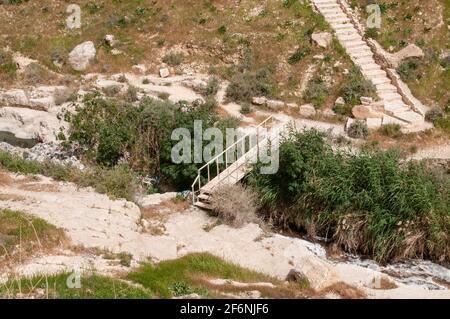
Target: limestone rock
{"x": 339, "y": 101}
{"x": 110, "y": 40}
{"x": 14, "y": 98}
{"x": 323, "y": 39}
{"x": 275, "y": 104}
{"x": 292, "y": 105}
{"x": 374, "y": 123}
{"x": 164, "y": 72}
{"x": 82, "y": 55}
{"x": 411, "y": 51}
{"x": 259, "y": 100}
{"x": 307, "y": 110}
{"x": 362, "y": 112}
{"x": 139, "y": 69}
{"x": 366, "y": 100}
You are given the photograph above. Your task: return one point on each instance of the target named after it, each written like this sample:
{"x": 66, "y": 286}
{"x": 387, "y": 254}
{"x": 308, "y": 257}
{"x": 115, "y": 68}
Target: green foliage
{"x": 410, "y": 69}
{"x": 298, "y": 55}
{"x": 177, "y": 277}
{"x": 140, "y": 136}
{"x": 55, "y": 287}
{"x": 316, "y": 92}
{"x": 358, "y": 129}
{"x": 117, "y": 182}
{"x": 8, "y": 68}
{"x": 244, "y": 86}
{"x": 173, "y": 58}
{"x": 23, "y": 229}
{"x": 355, "y": 86}
{"x": 371, "y": 33}
{"x": 391, "y": 130}
{"x": 368, "y": 202}
{"x": 246, "y": 108}
{"x": 222, "y": 30}
{"x": 211, "y": 88}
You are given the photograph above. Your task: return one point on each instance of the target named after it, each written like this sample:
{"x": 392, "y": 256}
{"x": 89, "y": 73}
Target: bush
{"x": 371, "y": 33}
{"x": 246, "y": 108}
{"x": 434, "y": 114}
{"x": 115, "y": 132}
{"x": 316, "y": 92}
{"x": 358, "y": 129}
{"x": 211, "y": 88}
{"x": 173, "y": 58}
{"x": 391, "y": 130}
{"x": 343, "y": 109}
{"x": 409, "y": 69}
{"x": 370, "y": 202}
{"x": 235, "y": 205}
{"x": 355, "y": 86}
{"x": 244, "y": 86}
{"x": 299, "y": 55}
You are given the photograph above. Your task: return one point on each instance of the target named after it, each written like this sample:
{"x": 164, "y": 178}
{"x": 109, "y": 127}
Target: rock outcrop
{"x": 82, "y": 55}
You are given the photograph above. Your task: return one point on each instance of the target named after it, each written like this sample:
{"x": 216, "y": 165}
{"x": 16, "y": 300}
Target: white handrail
{"x": 219, "y": 156}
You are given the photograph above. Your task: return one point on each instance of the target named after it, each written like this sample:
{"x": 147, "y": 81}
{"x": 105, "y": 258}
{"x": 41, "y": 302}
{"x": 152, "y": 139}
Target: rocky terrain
{"x": 313, "y": 64}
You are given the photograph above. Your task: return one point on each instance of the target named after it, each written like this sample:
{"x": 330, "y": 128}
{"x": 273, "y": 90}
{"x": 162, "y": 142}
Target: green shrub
{"x": 244, "y": 86}
{"x": 355, "y": 86}
{"x": 115, "y": 132}
{"x": 343, "y": 109}
{"x": 358, "y": 129}
{"x": 391, "y": 130}
{"x": 145, "y": 81}
{"x": 434, "y": 114}
{"x": 371, "y": 33}
{"x": 370, "y": 202}
{"x": 163, "y": 96}
{"x": 410, "y": 69}
{"x": 173, "y": 58}
{"x": 222, "y": 30}
{"x": 211, "y": 88}
{"x": 316, "y": 92}
{"x": 246, "y": 108}
{"x": 298, "y": 55}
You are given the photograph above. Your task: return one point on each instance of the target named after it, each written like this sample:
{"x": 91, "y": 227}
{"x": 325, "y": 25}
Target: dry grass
{"x": 344, "y": 290}
{"x": 40, "y": 187}
{"x": 5, "y": 179}
{"x": 11, "y": 197}
{"x": 235, "y": 205}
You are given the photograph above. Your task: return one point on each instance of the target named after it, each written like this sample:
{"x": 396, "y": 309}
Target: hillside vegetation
{"x": 369, "y": 203}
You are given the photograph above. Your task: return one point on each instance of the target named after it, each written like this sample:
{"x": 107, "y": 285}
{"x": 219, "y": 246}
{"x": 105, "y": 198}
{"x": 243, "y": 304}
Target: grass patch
{"x": 117, "y": 182}
{"x": 178, "y": 277}
{"x": 20, "y": 231}
{"x": 391, "y": 130}
{"x": 55, "y": 287}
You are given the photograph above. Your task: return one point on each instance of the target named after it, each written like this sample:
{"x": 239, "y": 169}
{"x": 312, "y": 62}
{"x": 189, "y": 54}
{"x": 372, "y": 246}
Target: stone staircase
{"x": 394, "y": 107}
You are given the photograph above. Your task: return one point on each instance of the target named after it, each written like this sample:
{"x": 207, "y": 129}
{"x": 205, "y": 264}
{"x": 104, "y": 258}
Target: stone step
{"x": 327, "y": 4}
{"x": 374, "y": 72}
{"x": 349, "y": 37}
{"x": 386, "y": 87}
{"x": 370, "y": 67}
{"x": 380, "y": 80}
{"x": 330, "y": 10}
{"x": 324, "y": 1}
{"x": 410, "y": 117}
{"x": 364, "y": 61}
{"x": 395, "y": 107}
{"x": 338, "y": 19}
{"x": 392, "y": 120}
{"x": 361, "y": 55}
{"x": 390, "y": 96}
{"x": 204, "y": 198}
{"x": 353, "y": 44}
{"x": 342, "y": 26}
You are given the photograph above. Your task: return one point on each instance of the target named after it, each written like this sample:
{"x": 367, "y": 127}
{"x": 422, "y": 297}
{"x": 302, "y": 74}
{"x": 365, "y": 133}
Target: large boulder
{"x": 323, "y": 39}
{"x": 82, "y": 55}
{"x": 411, "y": 51}
{"x": 307, "y": 110}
